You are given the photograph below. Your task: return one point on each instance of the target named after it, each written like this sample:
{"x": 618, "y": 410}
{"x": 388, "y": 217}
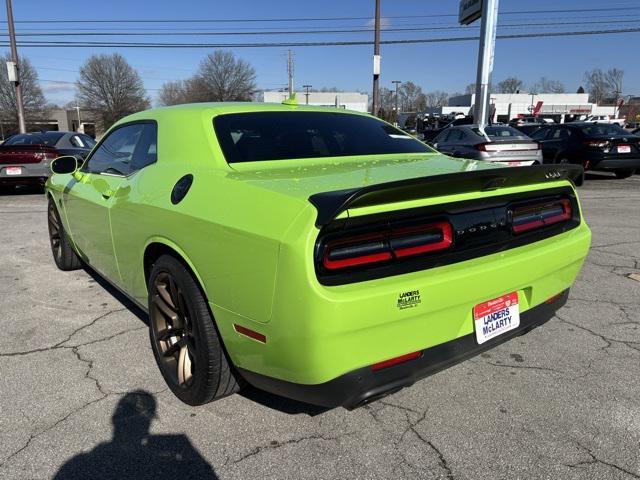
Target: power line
{"x": 87, "y": 44}
{"x": 306, "y": 32}
{"x": 316, "y": 19}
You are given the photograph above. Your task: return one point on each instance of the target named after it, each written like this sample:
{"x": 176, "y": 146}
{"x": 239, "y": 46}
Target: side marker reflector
{"x": 250, "y": 333}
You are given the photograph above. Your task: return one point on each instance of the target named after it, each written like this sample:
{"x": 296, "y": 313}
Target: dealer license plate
{"x": 624, "y": 148}
{"x": 495, "y": 317}
{"x": 13, "y": 170}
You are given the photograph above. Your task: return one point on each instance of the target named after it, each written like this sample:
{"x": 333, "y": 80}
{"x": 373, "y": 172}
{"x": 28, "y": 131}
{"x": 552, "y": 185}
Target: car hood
{"x": 303, "y": 178}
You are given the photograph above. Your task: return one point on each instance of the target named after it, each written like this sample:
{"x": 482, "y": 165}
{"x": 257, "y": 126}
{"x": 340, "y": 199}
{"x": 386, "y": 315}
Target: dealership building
{"x": 348, "y": 100}
{"x": 505, "y": 106}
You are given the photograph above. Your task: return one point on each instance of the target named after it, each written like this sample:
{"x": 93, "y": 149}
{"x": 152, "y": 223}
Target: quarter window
{"x": 125, "y": 150}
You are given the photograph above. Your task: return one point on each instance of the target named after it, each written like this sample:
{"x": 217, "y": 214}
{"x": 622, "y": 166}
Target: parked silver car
{"x": 498, "y": 143}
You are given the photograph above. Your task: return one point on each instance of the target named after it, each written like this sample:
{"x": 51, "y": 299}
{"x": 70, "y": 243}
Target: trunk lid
{"x": 25, "y": 154}
{"x": 335, "y": 185}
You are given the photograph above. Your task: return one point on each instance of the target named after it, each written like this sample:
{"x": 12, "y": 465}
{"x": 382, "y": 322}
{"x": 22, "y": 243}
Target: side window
{"x": 560, "y": 134}
{"x": 539, "y": 134}
{"x": 125, "y": 150}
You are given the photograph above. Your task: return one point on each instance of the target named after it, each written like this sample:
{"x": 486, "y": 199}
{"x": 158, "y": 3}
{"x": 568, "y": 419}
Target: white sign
{"x": 12, "y": 72}
{"x": 470, "y": 11}
{"x": 376, "y": 64}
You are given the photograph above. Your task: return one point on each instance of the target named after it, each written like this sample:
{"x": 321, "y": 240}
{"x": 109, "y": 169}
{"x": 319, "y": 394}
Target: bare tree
{"x": 410, "y": 93}
{"x": 509, "y": 85}
{"x": 35, "y": 105}
{"x": 614, "y": 78}
{"x": 220, "y": 77}
{"x": 470, "y": 89}
{"x": 387, "y": 104}
{"x": 437, "y": 98}
{"x": 545, "y": 85}
{"x": 226, "y": 78}
{"x": 110, "y": 88}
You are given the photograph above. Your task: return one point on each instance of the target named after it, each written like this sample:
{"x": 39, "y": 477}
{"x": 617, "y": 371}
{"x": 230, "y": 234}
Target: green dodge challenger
{"x": 315, "y": 253}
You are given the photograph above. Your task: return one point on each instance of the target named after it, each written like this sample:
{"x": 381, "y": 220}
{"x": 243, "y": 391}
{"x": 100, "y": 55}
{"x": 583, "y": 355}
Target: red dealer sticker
{"x": 497, "y": 316}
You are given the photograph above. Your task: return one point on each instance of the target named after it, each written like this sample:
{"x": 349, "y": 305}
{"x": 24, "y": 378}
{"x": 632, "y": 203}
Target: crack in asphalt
{"x": 444, "y": 464}
{"x": 61, "y": 344}
{"x": 275, "y": 444}
{"x": 595, "y": 460}
{"x": 609, "y": 341}
{"x": 75, "y": 349}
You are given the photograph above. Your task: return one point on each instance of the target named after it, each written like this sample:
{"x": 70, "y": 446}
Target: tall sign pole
{"x": 14, "y": 68}
{"x": 375, "y": 104}
{"x": 485, "y": 60}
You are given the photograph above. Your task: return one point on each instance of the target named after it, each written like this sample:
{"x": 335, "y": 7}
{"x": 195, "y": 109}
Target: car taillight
{"x": 540, "y": 215}
{"x": 481, "y": 146}
{"x": 387, "y": 245}
{"x": 597, "y": 143}
{"x": 539, "y": 145}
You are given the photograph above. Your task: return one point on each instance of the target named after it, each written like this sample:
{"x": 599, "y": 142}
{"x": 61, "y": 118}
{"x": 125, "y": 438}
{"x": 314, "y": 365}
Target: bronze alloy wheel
{"x": 54, "y": 233}
{"x": 172, "y": 331}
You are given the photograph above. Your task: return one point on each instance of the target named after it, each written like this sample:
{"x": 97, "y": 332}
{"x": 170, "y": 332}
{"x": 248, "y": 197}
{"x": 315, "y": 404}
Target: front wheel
{"x": 626, "y": 173}
{"x": 183, "y": 335}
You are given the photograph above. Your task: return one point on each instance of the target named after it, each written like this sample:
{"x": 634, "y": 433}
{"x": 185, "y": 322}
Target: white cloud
{"x": 57, "y": 87}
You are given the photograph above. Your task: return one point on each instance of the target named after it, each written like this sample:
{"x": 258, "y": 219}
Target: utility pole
{"x": 290, "y": 72}
{"x": 485, "y": 60}
{"x": 375, "y": 104}
{"x": 397, "y": 82}
{"x": 306, "y": 92}
{"x": 16, "y": 68}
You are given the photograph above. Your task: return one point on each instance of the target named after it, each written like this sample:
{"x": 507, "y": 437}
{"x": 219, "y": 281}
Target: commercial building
{"x": 505, "y": 106}
{"x": 348, "y": 100}
{"x": 57, "y": 119}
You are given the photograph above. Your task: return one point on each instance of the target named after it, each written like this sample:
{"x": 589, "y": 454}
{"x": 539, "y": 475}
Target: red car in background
{"x": 25, "y": 158}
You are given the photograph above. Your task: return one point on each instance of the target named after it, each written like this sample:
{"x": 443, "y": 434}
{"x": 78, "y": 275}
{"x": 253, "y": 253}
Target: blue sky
{"x": 437, "y": 66}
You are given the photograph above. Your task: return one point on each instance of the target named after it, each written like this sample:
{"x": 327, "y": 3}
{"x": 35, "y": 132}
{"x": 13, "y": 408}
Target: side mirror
{"x": 66, "y": 164}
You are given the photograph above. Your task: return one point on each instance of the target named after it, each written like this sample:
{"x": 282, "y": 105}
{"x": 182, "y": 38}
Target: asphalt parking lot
{"x": 79, "y": 387}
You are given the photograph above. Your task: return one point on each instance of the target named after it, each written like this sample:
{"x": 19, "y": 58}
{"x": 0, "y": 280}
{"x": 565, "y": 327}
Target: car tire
{"x": 624, "y": 173}
{"x": 63, "y": 254}
{"x": 184, "y": 338}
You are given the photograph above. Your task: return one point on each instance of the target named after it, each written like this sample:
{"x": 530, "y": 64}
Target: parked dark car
{"x": 529, "y": 129}
{"x": 595, "y": 146}
{"x": 495, "y": 143}
{"x": 25, "y": 158}
{"x": 429, "y": 134}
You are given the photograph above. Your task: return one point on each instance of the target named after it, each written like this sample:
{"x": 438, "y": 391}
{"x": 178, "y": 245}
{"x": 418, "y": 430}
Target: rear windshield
{"x": 500, "y": 132}
{"x": 45, "y": 138}
{"x": 603, "y": 129}
{"x": 252, "y": 137}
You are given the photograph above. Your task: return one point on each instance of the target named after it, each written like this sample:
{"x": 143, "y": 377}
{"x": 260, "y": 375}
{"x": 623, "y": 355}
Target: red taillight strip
{"x": 250, "y": 333}
{"x": 396, "y": 360}
{"x": 447, "y": 239}
{"x": 384, "y": 245}
{"x": 541, "y": 221}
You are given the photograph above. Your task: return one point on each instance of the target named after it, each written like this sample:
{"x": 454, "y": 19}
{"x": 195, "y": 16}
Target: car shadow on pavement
{"x": 135, "y": 453}
{"x": 599, "y": 176}
{"x": 282, "y": 404}
{"x": 269, "y": 400}
{"x": 119, "y": 296}
{"x": 7, "y": 190}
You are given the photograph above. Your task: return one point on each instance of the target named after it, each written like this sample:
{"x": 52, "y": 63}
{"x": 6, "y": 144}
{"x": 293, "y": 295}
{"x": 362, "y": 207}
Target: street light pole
{"x": 485, "y": 61}
{"x": 306, "y": 92}
{"x": 14, "y": 58}
{"x": 397, "y": 82}
{"x": 375, "y": 103}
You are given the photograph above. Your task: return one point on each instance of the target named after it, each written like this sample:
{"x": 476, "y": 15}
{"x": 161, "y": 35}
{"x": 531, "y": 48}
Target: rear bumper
{"x": 30, "y": 172}
{"x": 364, "y": 385}
{"x": 616, "y": 163}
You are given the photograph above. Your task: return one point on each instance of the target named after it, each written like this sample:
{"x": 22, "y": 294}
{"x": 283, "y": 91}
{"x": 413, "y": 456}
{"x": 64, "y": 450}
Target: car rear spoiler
{"x": 330, "y": 204}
